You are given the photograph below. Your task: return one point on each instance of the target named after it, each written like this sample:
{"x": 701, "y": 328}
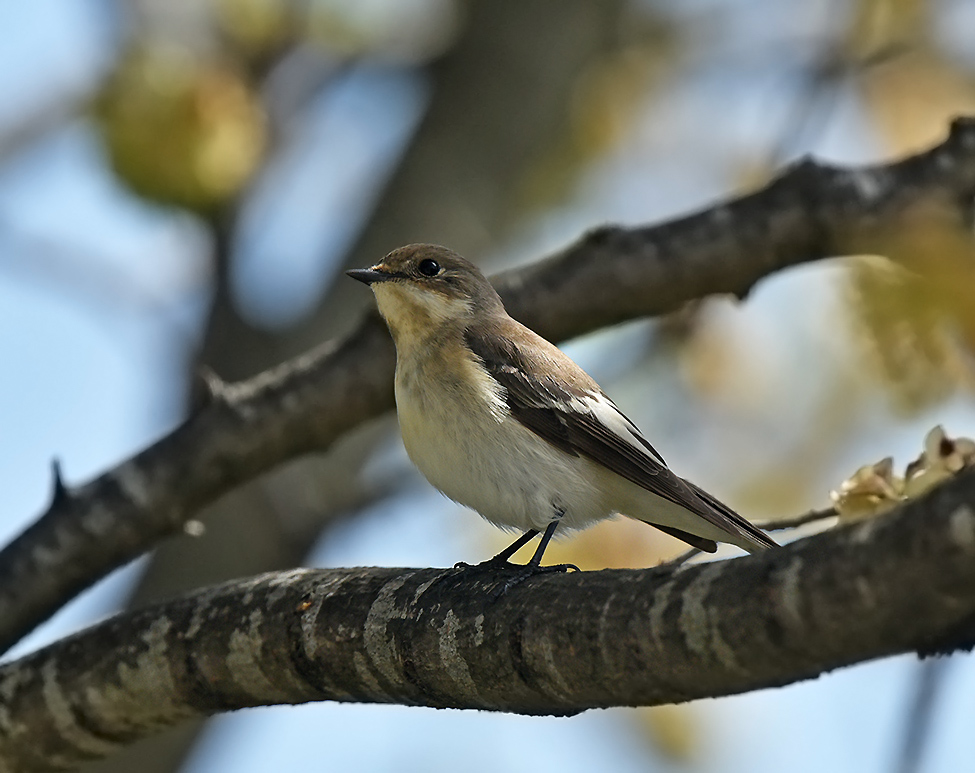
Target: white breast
{"x": 465, "y": 442}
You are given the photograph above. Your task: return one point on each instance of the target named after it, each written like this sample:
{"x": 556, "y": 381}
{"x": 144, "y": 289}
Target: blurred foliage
{"x": 878, "y": 25}
{"x": 915, "y": 312}
{"x": 181, "y": 129}
{"x": 413, "y": 32}
{"x": 256, "y": 26}
{"x": 912, "y": 98}
{"x": 913, "y": 92}
{"x": 608, "y": 102}
{"x": 672, "y": 730}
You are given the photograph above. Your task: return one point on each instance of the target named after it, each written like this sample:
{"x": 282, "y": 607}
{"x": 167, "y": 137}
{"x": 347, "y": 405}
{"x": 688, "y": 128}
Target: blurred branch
{"x": 930, "y": 676}
{"x": 47, "y": 119}
{"x": 904, "y": 582}
{"x": 816, "y": 100}
{"x": 812, "y": 211}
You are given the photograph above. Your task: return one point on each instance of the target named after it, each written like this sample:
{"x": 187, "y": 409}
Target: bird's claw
{"x": 526, "y": 572}
{"x": 494, "y": 563}
{"x": 519, "y": 572}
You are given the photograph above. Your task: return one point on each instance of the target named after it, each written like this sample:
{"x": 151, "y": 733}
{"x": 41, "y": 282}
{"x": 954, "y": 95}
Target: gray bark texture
{"x": 557, "y": 644}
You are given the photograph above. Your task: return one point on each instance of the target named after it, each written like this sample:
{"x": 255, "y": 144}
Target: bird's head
{"x": 420, "y": 287}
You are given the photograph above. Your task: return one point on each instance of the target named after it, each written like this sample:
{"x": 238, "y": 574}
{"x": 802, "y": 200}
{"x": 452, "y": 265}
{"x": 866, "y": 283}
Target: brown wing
{"x": 555, "y": 409}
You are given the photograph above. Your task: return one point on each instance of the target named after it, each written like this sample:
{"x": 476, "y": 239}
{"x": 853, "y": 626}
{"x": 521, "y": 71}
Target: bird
{"x": 501, "y": 420}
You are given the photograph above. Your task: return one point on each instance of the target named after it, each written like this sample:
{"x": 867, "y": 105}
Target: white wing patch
{"x": 612, "y": 418}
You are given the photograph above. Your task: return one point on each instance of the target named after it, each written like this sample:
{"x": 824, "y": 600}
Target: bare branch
{"x": 812, "y": 211}
{"x": 556, "y": 645}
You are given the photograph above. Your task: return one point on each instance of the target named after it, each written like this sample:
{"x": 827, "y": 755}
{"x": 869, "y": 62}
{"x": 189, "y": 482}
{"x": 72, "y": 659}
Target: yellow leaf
{"x": 181, "y": 130}
{"x": 870, "y": 491}
{"x": 941, "y": 459}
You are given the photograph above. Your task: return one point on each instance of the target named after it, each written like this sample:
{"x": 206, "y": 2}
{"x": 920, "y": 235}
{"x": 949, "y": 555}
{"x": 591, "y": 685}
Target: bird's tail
{"x": 751, "y": 537}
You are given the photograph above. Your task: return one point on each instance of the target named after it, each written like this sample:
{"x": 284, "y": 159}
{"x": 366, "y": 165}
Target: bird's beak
{"x": 369, "y": 275}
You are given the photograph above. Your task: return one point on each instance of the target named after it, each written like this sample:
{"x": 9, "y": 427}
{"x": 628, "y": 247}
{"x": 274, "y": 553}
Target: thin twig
{"x": 680, "y": 559}
{"x": 798, "y": 520}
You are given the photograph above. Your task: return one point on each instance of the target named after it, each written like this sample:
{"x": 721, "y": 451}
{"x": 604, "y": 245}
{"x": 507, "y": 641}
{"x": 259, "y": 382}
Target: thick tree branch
{"x": 554, "y": 645}
{"x": 812, "y": 211}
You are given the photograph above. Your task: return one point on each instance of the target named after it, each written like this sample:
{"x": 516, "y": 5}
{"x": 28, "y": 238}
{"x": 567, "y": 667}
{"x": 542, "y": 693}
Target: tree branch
{"x": 555, "y": 645}
{"x": 612, "y": 274}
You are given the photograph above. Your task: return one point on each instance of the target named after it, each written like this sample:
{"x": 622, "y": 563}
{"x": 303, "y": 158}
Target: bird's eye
{"x": 429, "y": 267}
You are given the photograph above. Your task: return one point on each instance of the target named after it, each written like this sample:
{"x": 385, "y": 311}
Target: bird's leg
{"x": 502, "y": 558}
{"x": 536, "y": 559}
{"x": 514, "y": 547}
{"x": 534, "y": 563}
{"x": 534, "y": 566}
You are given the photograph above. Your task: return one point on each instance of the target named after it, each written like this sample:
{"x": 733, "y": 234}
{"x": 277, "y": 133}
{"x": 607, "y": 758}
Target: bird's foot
{"x": 521, "y": 572}
{"x": 498, "y": 562}
{"x": 515, "y": 574}
{"x": 524, "y": 572}
{"x": 502, "y": 563}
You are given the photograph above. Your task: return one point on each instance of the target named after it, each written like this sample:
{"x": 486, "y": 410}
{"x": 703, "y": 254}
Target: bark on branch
{"x": 553, "y": 645}
{"x": 612, "y": 274}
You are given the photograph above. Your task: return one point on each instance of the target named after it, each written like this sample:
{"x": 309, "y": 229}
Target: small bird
{"x": 500, "y": 420}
